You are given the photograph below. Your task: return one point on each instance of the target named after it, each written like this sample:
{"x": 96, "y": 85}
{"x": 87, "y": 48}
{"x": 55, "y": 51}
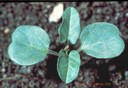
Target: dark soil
{"x": 94, "y": 73}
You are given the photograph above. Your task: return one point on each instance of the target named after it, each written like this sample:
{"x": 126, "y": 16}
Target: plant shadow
{"x": 52, "y": 66}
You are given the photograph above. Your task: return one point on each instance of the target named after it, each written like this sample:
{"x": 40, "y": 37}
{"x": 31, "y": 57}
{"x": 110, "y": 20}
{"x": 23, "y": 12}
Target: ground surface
{"x": 93, "y": 73}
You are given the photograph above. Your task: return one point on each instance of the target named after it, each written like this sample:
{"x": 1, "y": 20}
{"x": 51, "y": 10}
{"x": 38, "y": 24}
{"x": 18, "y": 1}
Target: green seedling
{"x": 30, "y": 44}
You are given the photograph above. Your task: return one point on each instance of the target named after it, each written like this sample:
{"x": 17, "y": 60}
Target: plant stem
{"x": 53, "y": 52}
{"x": 67, "y": 43}
{"x": 79, "y": 49}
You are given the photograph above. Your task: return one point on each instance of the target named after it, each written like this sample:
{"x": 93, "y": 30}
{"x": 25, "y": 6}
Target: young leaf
{"x": 68, "y": 65}
{"x": 70, "y": 26}
{"x": 101, "y": 40}
{"x": 29, "y": 45}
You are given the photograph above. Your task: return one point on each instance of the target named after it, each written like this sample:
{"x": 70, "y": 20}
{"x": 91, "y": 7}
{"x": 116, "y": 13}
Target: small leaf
{"x": 68, "y": 66}
{"x": 70, "y": 26}
{"x": 29, "y": 45}
{"x": 101, "y": 40}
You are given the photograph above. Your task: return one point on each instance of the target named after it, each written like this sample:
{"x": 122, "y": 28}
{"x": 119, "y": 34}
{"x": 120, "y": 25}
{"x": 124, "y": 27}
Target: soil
{"x": 94, "y": 73}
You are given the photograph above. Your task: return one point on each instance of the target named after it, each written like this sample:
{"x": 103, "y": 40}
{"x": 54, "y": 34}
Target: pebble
{"x": 4, "y": 76}
{"x": 3, "y": 69}
{"x": 6, "y": 30}
{"x": 126, "y": 75}
{"x": 112, "y": 67}
{"x": 57, "y": 13}
{"x": 126, "y": 14}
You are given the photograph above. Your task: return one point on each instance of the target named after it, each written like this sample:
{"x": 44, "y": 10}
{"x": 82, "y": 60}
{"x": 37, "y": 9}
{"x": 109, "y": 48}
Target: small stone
{"x": 48, "y": 6}
{"x": 3, "y": 69}
{"x": 29, "y": 70}
{"x": 98, "y": 10}
{"x": 80, "y": 78}
{"x": 117, "y": 16}
{"x": 4, "y": 76}
{"x": 126, "y": 75}
{"x": 57, "y": 13}
{"x": 31, "y": 84}
{"x": 6, "y": 30}
{"x": 126, "y": 14}
{"x": 112, "y": 67}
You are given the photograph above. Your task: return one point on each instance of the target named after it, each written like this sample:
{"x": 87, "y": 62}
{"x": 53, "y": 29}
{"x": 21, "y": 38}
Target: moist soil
{"x": 94, "y": 73}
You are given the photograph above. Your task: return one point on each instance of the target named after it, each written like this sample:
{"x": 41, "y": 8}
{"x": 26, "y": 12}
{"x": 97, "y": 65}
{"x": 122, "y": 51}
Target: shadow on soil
{"x": 52, "y": 66}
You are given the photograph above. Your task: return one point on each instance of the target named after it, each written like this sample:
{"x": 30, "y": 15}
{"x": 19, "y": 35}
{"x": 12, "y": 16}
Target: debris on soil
{"x": 57, "y": 13}
{"x": 6, "y": 30}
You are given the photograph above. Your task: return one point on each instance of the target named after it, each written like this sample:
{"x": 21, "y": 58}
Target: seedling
{"x": 30, "y": 44}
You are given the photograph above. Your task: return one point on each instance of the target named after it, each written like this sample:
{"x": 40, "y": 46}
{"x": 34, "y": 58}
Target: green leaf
{"x": 68, "y": 65}
{"x": 70, "y": 26}
{"x": 101, "y": 40}
{"x": 29, "y": 45}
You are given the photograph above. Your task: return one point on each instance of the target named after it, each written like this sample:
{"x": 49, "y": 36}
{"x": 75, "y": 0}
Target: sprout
{"x": 30, "y": 44}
